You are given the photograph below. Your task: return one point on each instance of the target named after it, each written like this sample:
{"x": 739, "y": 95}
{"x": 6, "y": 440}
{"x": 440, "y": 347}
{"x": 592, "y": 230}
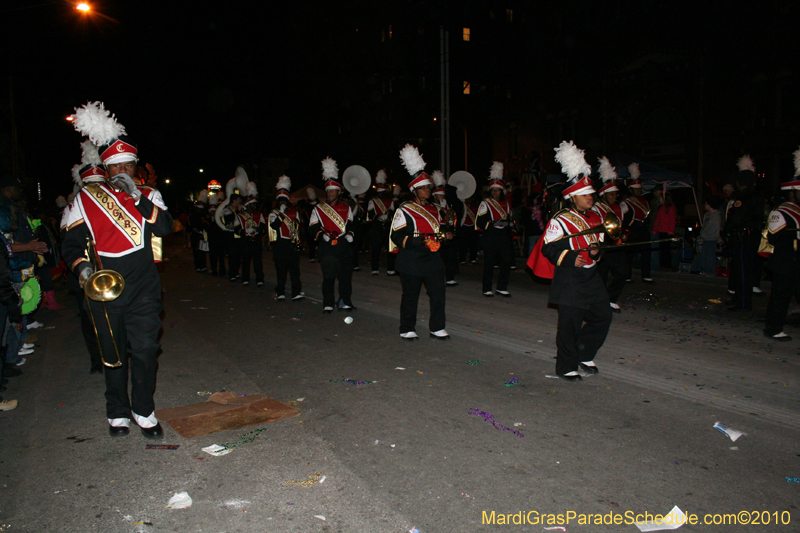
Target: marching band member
{"x": 468, "y": 239}
{"x": 330, "y": 225}
{"x": 310, "y": 205}
{"x": 284, "y": 232}
{"x": 121, "y": 221}
{"x": 416, "y": 235}
{"x": 380, "y": 210}
{"x": 577, "y": 289}
{"x": 784, "y": 263}
{"x": 614, "y": 262}
{"x": 251, "y": 228}
{"x": 494, "y": 223}
{"x": 639, "y": 208}
{"x": 449, "y": 252}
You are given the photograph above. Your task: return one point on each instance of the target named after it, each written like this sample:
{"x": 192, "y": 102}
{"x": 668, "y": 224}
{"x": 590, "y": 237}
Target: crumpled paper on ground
{"x": 181, "y": 500}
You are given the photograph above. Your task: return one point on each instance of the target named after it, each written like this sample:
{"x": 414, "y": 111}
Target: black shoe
{"x": 576, "y": 377}
{"x": 155, "y": 432}
{"x": 96, "y": 369}
{"x": 118, "y": 432}
{"x": 593, "y": 370}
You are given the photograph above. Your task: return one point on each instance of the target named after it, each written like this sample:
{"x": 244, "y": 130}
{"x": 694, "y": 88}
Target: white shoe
{"x": 21, "y": 362}
{"x": 25, "y": 351}
{"x": 8, "y": 405}
{"x": 280, "y": 297}
{"x": 390, "y": 272}
{"x": 375, "y": 272}
{"x": 409, "y": 335}
{"x": 488, "y": 294}
{"x": 327, "y": 309}
{"x": 731, "y": 292}
{"x": 504, "y": 294}
{"x": 35, "y": 324}
{"x": 757, "y": 290}
{"x": 441, "y": 335}
{"x": 27, "y": 345}
{"x": 299, "y": 296}
{"x": 452, "y": 282}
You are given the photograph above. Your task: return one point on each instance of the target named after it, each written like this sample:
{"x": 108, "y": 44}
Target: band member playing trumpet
{"x": 121, "y": 221}
{"x": 331, "y": 225}
{"x": 417, "y": 236}
{"x": 577, "y": 289}
{"x": 494, "y": 223}
{"x": 784, "y": 262}
{"x": 284, "y": 233}
{"x": 250, "y": 228}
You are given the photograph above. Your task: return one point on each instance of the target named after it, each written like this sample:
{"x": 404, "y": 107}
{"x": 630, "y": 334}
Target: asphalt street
{"x": 407, "y": 450}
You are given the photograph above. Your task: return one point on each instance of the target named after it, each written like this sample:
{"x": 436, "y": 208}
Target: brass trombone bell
{"x": 104, "y": 286}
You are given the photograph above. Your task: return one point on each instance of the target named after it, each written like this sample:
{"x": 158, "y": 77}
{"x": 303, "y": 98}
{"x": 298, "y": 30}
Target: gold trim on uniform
{"x": 561, "y": 257}
{"x": 116, "y": 213}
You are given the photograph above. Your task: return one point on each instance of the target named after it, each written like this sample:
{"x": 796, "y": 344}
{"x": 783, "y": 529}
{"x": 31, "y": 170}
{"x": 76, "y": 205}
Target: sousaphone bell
{"x": 464, "y": 182}
{"x": 356, "y": 179}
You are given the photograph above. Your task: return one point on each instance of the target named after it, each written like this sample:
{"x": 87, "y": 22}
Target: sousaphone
{"x": 464, "y": 182}
{"x": 238, "y": 182}
{"x": 356, "y": 180}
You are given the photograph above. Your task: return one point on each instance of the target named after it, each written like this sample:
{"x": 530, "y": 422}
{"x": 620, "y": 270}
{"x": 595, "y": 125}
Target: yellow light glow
{"x": 83, "y": 6}
{"x": 201, "y": 170}
{"x": 166, "y": 181}
{"x": 69, "y": 118}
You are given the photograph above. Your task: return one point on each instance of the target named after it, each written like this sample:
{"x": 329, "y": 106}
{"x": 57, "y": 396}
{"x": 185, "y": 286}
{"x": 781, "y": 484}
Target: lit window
{"x": 510, "y": 15}
{"x": 465, "y": 34}
{"x": 466, "y": 87}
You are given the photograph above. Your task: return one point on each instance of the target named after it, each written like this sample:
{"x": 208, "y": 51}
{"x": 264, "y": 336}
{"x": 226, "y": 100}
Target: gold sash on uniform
{"x": 116, "y": 213}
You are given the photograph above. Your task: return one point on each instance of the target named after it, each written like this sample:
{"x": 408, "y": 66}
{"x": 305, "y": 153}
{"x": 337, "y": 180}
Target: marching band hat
{"x": 93, "y": 120}
{"x": 747, "y": 171}
{"x": 330, "y": 175}
{"x": 608, "y": 177}
{"x": 438, "y": 182}
{"x": 380, "y": 181}
{"x": 284, "y": 186}
{"x": 496, "y": 176}
{"x": 793, "y": 183}
{"x": 415, "y": 166}
{"x": 570, "y": 157}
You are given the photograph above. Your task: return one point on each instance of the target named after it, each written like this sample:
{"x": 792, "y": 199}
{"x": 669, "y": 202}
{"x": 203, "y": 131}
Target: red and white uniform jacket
{"x": 279, "y": 222}
{"x": 333, "y": 220}
{"x": 380, "y": 208}
{"x": 639, "y": 206}
{"x": 250, "y": 224}
{"x": 569, "y": 222}
{"x": 412, "y": 219}
{"x": 470, "y": 216}
{"x": 493, "y": 214}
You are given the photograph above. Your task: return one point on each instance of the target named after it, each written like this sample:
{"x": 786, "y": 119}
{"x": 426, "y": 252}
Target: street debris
{"x": 352, "y": 381}
{"x": 216, "y": 450}
{"x": 731, "y": 433}
{"x": 312, "y": 479}
{"x": 319, "y": 516}
{"x": 672, "y": 520}
{"x": 348, "y": 320}
{"x": 161, "y": 446}
{"x": 793, "y": 479}
{"x": 513, "y": 382}
{"x": 475, "y": 362}
{"x": 181, "y": 500}
{"x": 490, "y": 418}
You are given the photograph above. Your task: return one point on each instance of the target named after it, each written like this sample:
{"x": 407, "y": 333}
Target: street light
{"x": 83, "y": 7}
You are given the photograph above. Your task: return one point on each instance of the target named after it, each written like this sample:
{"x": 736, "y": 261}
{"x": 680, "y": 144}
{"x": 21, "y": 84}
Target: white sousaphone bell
{"x": 464, "y": 182}
{"x": 238, "y": 182}
{"x": 356, "y": 180}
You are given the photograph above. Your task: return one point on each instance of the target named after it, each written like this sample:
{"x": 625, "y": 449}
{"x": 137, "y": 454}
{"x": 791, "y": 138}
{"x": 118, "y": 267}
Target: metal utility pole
{"x": 444, "y": 100}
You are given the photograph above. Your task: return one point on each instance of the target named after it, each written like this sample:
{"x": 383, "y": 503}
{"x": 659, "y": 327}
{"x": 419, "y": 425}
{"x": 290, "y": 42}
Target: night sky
{"x": 236, "y": 83}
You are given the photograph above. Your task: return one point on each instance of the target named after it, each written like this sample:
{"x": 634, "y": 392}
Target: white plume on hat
{"x": 570, "y": 157}
{"x": 438, "y": 178}
{"x": 797, "y": 162}
{"x": 213, "y": 199}
{"x": 330, "y": 170}
{"x": 411, "y": 159}
{"x": 76, "y": 174}
{"x": 241, "y": 180}
{"x": 312, "y": 194}
{"x": 251, "y": 189}
{"x": 61, "y": 202}
{"x": 606, "y": 170}
{"x": 89, "y": 156}
{"x": 746, "y": 163}
{"x": 96, "y": 122}
{"x": 284, "y": 182}
{"x": 380, "y": 177}
{"x": 634, "y": 171}
{"x": 496, "y": 172}
{"x": 203, "y": 197}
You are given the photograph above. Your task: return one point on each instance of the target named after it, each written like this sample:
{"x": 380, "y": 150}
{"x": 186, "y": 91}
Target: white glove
{"x": 125, "y": 183}
{"x": 348, "y": 238}
{"x": 250, "y": 231}
{"x": 383, "y": 217}
{"x": 326, "y": 237}
{"x": 283, "y": 208}
{"x": 84, "y": 275}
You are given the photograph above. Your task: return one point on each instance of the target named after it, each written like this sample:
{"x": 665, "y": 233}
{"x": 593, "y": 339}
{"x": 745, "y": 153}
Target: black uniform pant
{"x": 578, "y": 342}
{"x": 496, "y": 250}
{"x": 744, "y": 248}
{"x": 198, "y": 254}
{"x": 378, "y": 240}
{"x": 359, "y": 230}
{"x": 639, "y": 233}
{"x": 233, "y": 249}
{"x": 216, "y": 254}
{"x": 785, "y": 285}
{"x": 412, "y": 284}
{"x": 449, "y": 253}
{"x": 336, "y": 266}
{"x": 136, "y": 325}
{"x": 287, "y": 261}
{"x": 468, "y": 243}
{"x": 312, "y": 247}
{"x": 615, "y": 263}
{"x": 251, "y": 250}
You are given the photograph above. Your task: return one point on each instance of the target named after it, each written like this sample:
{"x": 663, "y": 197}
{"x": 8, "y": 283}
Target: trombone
{"x": 102, "y": 286}
{"x": 623, "y": 245}
{"x": 611, "y": 225}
